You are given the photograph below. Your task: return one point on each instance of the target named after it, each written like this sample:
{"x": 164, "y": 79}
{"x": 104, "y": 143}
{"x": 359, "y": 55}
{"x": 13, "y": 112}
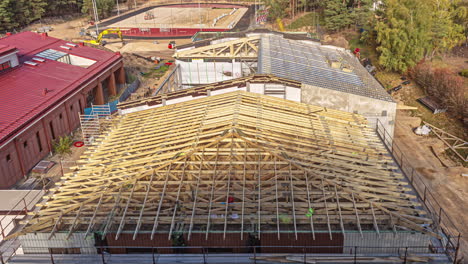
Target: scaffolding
{"x": 91, "y": 124}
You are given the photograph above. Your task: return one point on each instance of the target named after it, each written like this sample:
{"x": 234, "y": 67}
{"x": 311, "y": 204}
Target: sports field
{"x": 184, "y": 17}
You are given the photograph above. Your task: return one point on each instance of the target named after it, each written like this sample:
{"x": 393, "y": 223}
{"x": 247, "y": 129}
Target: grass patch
{"x": 156, "y": 73}
{"x": 307, "y": 20}
{"x": 409, "y": 94}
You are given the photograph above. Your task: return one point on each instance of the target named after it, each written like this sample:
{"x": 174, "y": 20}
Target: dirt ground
{"x": 67, "y": 30}
{"x": 446, "y": 183}
{"x": 182, "y": 18}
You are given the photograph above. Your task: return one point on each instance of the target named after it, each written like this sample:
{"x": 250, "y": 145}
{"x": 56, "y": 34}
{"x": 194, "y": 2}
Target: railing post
{"x": 457, "y": 249}
{"x": 152, "y": 254}
{"x": 102, "y": 256}
{"x": 204, "y": 257}
{"x": 255, "y": 254}
{"x": 51, "y": 256}
{"x": 412, "y": 174}
{"x": 424, "y": 196}
{"x": 3, "y": 230}
{"x": 440, "y": 215}
{"x": 355, "y": 254}
{"x": 305, "y": 256}
{"x": 406, "y": 255}
{"x": 25, "y": 206}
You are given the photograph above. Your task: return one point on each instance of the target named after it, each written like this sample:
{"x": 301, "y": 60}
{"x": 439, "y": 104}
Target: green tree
{"x": 278, "y": 8}
{"x": 403, "y": 33}
{"x": 104, "y": 7}
{"x": 446, "y": 34}
{"x": 341, "y": 14}
{"x": 17, "y": 13}
{"x": 7, "y": 15}
{"x": 60, "y": 7}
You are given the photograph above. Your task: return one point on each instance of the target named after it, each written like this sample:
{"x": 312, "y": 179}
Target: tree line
{"x": 404, "y": 31}
{"x": 15, "y": 14}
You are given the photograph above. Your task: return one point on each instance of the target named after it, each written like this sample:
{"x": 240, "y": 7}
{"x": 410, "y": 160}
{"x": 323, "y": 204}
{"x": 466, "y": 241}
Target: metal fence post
{"x": 424, "y": 196}
{"x": 457, "y": 249}
{"x": 152, "y": 253}
{"x": 204, "y": 257}
{"x": 51, "y": 256}
{"x": 102, "y": 256}
{"x": 255, "y": 254}
{"x": 355, "y": 254}
{"x": 406, "y": 254}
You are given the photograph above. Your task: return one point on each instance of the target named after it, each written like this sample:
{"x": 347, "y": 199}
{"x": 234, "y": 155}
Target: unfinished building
{"x": 330, "y": 76}
{"x": 233, "y": 170}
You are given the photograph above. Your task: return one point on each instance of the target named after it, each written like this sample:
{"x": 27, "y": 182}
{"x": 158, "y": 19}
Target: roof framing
{"x": 243, "y": 48}
{"x": 228, "y": 163}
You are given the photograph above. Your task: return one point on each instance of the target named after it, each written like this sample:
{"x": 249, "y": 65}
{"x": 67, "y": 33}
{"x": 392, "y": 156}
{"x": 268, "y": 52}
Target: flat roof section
{"x": 312, "y": 64}
{"x": 237, "y": 162}
{"x": 21, "y": 89}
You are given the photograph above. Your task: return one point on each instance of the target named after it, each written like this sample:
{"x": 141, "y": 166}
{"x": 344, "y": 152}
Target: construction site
{"x": 196, "y": 132}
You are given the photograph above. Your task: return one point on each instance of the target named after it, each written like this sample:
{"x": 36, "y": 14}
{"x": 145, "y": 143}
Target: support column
{"x": 112, "y": 86}
{"x": 99, "y": 99}
{"x": 121, "y": 77}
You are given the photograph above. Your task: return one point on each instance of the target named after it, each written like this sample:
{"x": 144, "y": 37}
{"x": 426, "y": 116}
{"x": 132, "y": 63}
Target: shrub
{"x": 62, "y": 146}
{"x": 464, "y": 73}
{"x": 443, "y": 84}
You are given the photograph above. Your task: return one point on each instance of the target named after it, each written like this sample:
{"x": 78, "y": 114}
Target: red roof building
{"x": 44, "y": 83}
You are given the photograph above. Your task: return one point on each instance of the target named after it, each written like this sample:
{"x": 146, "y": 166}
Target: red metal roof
{"x": 21, "y": 98}
{"x": 5, "y": 49}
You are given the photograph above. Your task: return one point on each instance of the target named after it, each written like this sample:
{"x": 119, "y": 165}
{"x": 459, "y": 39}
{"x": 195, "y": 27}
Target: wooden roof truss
{"x": 243, "y": 48}
{"x": 236, "y": 162}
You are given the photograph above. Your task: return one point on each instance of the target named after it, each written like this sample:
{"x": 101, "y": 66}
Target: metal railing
{"x": 442, "y": 221}
{"x": 239, "y": 254}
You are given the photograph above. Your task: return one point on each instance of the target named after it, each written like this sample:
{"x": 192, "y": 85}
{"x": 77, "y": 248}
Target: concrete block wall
{"x": 39, "y": 243}
{"x": 370, "y": 108}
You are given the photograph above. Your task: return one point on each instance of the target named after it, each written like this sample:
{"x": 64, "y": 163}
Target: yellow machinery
{"x": 280, "y": 24}
{"x": 99, "y": 41}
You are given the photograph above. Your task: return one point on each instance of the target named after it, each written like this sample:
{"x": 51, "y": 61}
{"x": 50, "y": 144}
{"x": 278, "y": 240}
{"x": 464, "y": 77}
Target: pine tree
{"x": 341, "y": 14}
{"x": 278, "y": 8}
{"x": 60, "y": 7}
{"x": 7, "y": 15}
{"x": 104, "y": 7}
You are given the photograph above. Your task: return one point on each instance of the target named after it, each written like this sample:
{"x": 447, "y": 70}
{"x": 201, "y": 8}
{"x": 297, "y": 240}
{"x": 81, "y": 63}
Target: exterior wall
{"x": 394, "y": 242}
{"x": 13, "y": 58}
{"x": 39, "y": 243}
{"x": 142, "y": 240}
{"x": 10, "y": 167}
{"x": 195, "y": 73}
{"x": 372, "y": 109}
{"x": 25, "y": 152}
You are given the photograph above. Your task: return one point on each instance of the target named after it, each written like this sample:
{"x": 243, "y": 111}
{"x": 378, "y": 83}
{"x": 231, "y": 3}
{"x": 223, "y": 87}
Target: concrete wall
{"x": 39, "y": 243}
{"x": 372, "y": 109}
{"x": 199, "y": 72}
{"x": 394, "y": 242}
{"x": 291, "y": 93}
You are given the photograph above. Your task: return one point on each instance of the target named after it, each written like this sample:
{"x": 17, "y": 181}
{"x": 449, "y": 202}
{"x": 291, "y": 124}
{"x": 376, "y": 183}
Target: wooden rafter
{"x": 175, "y": 168}
{"x": 243, "y": 48}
